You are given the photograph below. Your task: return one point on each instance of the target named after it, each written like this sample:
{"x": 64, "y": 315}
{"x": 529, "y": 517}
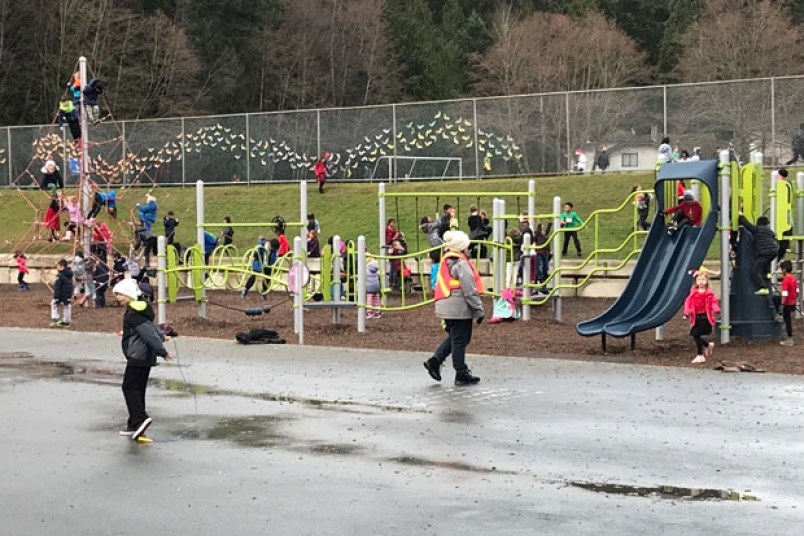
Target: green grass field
{"x": 348, "y": 210}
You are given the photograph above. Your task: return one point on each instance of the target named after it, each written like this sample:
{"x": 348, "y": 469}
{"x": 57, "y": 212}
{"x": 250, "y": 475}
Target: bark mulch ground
{"x": 418, "y": 330}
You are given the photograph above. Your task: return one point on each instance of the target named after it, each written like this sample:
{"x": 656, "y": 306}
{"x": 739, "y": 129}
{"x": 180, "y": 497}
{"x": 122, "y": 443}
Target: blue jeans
{"x": 459, "y": 335}
{"x": 542, "y": 267}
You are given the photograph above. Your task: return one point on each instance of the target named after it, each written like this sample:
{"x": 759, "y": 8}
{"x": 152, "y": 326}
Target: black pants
{"x": 150, "y": 247}
{"x": 100, "y": 295}
{"x": 135, "y": 381}
{"x": 459, "y": 335}
{"x": 21, "y": 279}
{"x": 787, "y": 313}
{"x": 760, "y": 269}
{"x": 784, "y": 244}
{"x": 699, "y": 329}
{"x": 642, "y": 220}
{"x": 75, "y": 129}
{"x": 253, "y": 278}
{"x": 97, "y": 205}
{"x": 574, "y": 236}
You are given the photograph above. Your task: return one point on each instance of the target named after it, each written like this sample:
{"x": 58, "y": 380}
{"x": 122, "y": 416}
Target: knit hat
{"x": 689, "y": 195}
{"x": 456, "y": 241}
{"x": 49, "y": 163}
{"x": 127, "y": 287}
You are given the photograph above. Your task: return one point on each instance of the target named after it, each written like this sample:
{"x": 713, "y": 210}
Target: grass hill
{"x": 345, "y": 209}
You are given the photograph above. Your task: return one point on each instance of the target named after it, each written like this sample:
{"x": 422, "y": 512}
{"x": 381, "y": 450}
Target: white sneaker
{"x": 699, "y": 359}
{"x": 126, "y": 433}
{"x": 709, "y": 349}
{"x": 142, "y": 428}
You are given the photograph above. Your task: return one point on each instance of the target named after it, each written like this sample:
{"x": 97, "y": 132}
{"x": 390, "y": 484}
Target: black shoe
{"x": 433, "y": 366}
{"x": 141, "y": 428}
{"x": 465, "y": 378}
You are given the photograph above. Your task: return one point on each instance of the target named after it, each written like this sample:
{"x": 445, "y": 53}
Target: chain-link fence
{"x": 608, "y": 130}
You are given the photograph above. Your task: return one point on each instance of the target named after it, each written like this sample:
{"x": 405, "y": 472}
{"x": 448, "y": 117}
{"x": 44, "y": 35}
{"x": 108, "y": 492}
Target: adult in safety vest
{"x": 457, "y": 302}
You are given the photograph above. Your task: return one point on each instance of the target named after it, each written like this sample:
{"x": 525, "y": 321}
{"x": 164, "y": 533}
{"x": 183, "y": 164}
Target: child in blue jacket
{"x": 147, "y": 212}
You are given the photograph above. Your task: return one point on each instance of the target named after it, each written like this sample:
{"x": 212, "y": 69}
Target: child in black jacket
{"x": 142, "y": 343}
{"x": 62, "y": 295}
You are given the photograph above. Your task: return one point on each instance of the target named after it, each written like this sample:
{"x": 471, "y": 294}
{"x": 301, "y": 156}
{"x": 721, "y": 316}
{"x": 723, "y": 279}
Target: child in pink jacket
{"x": 701, "y": 307}
{"x": 22, "y": 270}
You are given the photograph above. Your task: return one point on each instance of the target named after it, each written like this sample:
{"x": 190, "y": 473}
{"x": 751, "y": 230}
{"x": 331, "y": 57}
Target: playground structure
{"x": 341, "y": 282}
{"x": 663, "y": 274}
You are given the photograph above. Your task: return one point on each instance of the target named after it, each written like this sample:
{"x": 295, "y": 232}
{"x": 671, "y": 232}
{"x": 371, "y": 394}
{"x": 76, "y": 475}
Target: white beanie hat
{"x": 689, "y": 194}
{"x": 127, "y": 287}
{"x": 456, "y": 241}
{"x": 48, "y": 163}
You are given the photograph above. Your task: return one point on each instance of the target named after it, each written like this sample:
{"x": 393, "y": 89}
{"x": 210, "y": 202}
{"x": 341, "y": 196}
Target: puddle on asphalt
{"x": 256, "y": 431}
{"x": 459, "y": 466}
{"x": 666, "y": 492}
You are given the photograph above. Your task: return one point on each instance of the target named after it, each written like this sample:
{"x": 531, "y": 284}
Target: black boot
{"x": 465, "y": 377}
{"x": 433, "y": 366}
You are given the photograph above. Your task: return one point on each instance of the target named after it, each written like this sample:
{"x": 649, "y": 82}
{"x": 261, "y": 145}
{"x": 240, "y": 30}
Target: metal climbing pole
{"x": 84, "y": 175}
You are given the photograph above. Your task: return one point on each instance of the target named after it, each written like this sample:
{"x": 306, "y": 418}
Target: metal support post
{"x": 337, "y": 284}
{"x": 361, "y": 284}
{"x": 199, "y": 220}
{"x": 774, "y": 207}
{"x": 800, "y": 232}
{"x": 303, "y": 209}
{"x": 161, "y": 280}
{"x": 298, "y": 289}
{"x": 527, "y": 255}
{"x": 532, "y": 204}
{"x": 84, "y": 176}
{"x": 383, "y": 263}
{"x": 557, "y": 257}
{"x": 725, "y": 266}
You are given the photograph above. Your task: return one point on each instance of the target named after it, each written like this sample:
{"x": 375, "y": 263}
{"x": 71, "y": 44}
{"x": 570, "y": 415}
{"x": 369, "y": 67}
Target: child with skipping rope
{"x": 142, "y": 343}
{"x": 700, "y": 307}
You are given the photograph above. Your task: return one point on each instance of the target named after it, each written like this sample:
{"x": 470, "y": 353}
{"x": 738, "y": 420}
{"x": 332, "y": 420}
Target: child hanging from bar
{"x": 67, "y": 114}
{"x": 100, "y": 200}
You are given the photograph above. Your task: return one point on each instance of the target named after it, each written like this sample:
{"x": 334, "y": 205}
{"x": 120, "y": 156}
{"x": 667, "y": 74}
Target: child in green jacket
{"x": 571, "y": 220}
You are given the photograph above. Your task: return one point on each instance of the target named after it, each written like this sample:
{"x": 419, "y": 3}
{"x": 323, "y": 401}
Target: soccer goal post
{"x": 417, "y": 168}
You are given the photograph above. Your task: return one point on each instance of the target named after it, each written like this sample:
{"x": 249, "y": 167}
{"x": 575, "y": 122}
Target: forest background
{"x": 194, "y": 57}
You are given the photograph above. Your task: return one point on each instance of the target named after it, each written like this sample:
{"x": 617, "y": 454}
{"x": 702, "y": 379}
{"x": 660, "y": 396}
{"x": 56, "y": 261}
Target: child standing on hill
{"x": 62, "y": 295}
{"x": 701, "y": 307}
{"x": 571, "y": 220}
{"x": 22, "y": 270}
{"x": 789, "y": 299}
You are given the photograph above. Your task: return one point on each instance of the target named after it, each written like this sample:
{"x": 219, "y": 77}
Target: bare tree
{"x": 734, "y": 39}
{"x": 552, "y": 52}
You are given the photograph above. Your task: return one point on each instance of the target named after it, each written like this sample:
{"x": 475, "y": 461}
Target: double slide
{"x": 661, "y": 279}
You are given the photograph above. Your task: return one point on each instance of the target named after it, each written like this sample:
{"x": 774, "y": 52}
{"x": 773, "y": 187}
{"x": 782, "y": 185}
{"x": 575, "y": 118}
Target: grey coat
{"x": 372, "y": 277}
{"x": 463, "y": 302}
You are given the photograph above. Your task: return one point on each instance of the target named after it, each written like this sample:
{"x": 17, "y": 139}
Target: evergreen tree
{"x": 682, "y": 13}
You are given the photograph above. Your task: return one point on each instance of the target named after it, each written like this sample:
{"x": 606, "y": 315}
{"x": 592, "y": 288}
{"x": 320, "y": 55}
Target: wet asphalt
{"x": 281, "y": 439}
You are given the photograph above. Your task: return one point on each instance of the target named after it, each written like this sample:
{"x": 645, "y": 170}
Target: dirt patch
{"x": 417, "y": 330}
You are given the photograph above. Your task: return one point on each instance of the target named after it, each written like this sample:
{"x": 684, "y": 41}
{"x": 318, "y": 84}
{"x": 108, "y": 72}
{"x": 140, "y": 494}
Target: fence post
{"x": 664, "y": 109}
{"x": 183, "y": 154}
{"x": 125, "y": 151}
{"x": 477, "y": 151}
{"x": 569, "y": 140}
{"x": 318, "y": 132}
{"x": 8, "y": 158}
{"x": 248, "y": 152}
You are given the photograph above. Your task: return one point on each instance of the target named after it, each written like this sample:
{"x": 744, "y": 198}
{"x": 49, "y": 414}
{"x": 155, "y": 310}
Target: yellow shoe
{"x": 144, "y": 439}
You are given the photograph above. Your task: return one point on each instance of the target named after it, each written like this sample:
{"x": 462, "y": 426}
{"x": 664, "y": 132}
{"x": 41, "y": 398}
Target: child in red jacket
{"x": 701, "y": 307}
{"x": 789, "y": 299}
